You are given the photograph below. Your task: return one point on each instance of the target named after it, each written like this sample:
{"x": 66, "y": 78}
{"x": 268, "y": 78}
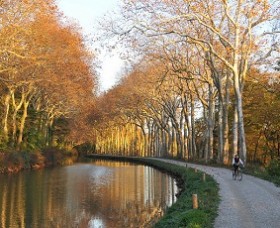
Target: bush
{"x": 55, "y": 156}
{"x": 273, "y": 171}
{"x": 37, "y": 160}
{"x": 273, "y": 168}
{"x": 12, "y": 162}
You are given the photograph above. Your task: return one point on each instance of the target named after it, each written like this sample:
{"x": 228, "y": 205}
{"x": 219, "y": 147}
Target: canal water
{"x": 93, "y": 194}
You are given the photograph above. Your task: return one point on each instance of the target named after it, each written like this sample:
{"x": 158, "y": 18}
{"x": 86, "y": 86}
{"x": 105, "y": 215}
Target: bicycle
{"x": 237, "y": 175}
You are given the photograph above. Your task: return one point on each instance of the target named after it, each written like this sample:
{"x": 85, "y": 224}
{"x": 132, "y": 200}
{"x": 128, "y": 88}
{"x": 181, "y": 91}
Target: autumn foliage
{"x": 47, "y": 82}
{"x": 204, "y": 73}
{"x": 206, "y": 86}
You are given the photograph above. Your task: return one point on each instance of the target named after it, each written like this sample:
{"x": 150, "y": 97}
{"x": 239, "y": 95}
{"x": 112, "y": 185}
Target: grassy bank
{"x": 270, "y": 173}
{"x": 181, "y": 214}
{"x": 13, "y": 162}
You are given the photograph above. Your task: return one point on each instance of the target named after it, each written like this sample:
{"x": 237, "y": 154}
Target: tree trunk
{"x": 5, "y": 119}
{"x": 193, "y": 128}
{"x": 51, "y": 138}
{"x": 225, "y": 156}
{"x": 242, "y": 143}
{"x": 221, "y": 129}
{"x": 235, "y": 132}
{"x": 22, "y": 123}
{"x": 211, "y": 118}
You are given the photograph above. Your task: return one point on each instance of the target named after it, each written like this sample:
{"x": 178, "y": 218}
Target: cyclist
{"x": 236, "y": 161}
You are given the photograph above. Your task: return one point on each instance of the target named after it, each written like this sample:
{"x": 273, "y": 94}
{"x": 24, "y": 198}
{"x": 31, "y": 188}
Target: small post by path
{"x": 195, "y": 201}
{"x": 203, "y": 177}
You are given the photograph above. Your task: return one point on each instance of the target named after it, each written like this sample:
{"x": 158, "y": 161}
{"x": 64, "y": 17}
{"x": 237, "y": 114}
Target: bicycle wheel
{"x": 233, "y": 175}
{"x": 239, "y": 175}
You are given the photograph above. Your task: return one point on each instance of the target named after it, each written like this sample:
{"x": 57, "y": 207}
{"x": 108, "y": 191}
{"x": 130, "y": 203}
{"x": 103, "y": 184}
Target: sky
{"x": 86, "y": 13}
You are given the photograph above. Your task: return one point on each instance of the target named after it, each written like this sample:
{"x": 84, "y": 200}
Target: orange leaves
{"x": 40, "y": 52}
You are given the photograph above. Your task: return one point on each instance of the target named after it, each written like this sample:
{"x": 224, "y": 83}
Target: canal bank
{"x": 14, "y": 162}
{"x": 192, "y": 181}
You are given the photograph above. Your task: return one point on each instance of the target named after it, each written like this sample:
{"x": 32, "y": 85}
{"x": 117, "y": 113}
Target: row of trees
{"x": 186, "y": 96}
{"x": 151, "y": 113}
{"x": 47, "y": 84}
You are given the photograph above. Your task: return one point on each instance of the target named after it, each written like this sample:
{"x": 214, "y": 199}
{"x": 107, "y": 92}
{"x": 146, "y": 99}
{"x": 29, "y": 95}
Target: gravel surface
{"x": 250, "y": 203}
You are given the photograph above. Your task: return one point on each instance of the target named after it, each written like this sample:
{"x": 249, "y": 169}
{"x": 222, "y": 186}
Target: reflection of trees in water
{"x": 142, "y": 217}
{"x": 141, "y": 193}
{"x": 132, "y": 196}
{"x": 27, "y": 200}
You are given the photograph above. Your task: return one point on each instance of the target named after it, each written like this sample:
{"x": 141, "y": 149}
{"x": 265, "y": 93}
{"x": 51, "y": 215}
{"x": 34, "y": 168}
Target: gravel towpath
{"x": 250, "y": 203}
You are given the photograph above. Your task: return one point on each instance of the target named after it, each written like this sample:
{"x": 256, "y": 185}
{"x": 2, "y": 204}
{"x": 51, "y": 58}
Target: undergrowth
{"x": 270, "y": 173}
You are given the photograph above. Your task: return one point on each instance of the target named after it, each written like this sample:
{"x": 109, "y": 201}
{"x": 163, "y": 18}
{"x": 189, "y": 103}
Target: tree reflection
{"x": 97, "y": 194}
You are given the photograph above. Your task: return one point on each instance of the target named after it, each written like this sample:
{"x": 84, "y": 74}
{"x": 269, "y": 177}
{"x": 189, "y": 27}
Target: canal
{"x": 96, "y": 193}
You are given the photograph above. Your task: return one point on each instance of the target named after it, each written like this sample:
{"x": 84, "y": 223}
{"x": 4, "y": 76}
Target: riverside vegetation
{"x": 14, "y": 162}
{"x": 270, "y": 173}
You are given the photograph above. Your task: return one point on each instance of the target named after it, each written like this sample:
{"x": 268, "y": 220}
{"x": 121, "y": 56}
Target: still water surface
{"x": 93, "y": 194}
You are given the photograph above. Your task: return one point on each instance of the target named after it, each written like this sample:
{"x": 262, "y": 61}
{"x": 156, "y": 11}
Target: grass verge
{"x": 181, "y": 213}
{"x": 270, "y": 173}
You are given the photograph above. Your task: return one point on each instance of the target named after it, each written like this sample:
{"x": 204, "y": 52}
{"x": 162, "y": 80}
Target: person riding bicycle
{"x": 236, "y": 161}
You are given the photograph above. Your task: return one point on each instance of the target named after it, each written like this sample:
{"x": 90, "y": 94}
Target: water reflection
{"x": 96, "y": 194}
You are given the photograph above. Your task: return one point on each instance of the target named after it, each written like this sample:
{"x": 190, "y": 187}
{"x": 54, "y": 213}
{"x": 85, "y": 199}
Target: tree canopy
{"x": 47, "y": 81}
{"x": 204, "y": 57}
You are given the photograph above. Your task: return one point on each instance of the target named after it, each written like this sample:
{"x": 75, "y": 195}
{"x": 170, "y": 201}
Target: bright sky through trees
{"x": 86, "y": 13}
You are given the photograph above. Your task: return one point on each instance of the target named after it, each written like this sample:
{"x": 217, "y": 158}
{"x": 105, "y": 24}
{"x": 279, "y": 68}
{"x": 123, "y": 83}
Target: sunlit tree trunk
{"x": 16, "y": 108}
{"x": 235, "y": 132}
{"x": 225, "y": 152}
{"x": 51, "y": 136}
{"x": 209, "y": 152}
{"x": 193, "y": 128}
{"x": 220, "y": 128}
{"x": 5, "y": 118}
{"x": 186, "y": 145}
{"x": 22, "y": 123}
{"x": 241, "y": 130}
{"x": 163, "y": 143}
{"x": 187, "y": 127}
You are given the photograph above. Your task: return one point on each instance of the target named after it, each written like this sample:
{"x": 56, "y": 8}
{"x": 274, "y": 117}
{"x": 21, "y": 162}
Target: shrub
{"x": 13, "y": 162}
{"x": 273, "y": 171}
{"x": 273, "y": 168}
{"x": 37, "y": 160}
{"x": 56, "y": 156}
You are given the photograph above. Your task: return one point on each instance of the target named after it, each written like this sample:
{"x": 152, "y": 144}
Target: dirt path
{"x": 250, "y": 203}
